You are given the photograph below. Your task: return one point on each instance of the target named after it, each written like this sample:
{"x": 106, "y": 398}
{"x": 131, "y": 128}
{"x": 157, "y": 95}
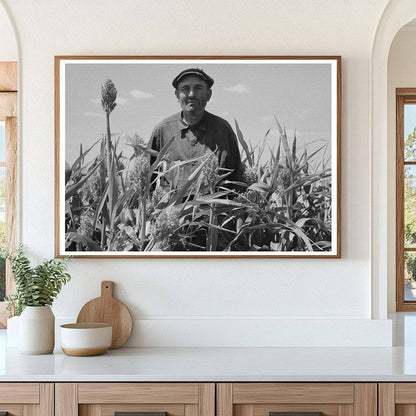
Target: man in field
{"x": 195, "y": 130}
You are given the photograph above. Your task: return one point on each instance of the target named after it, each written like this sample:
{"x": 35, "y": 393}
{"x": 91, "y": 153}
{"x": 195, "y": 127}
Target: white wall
{"x": 401, "y": 74}
{"x": 178, "y": 302}
{"x": 8, "y": 47}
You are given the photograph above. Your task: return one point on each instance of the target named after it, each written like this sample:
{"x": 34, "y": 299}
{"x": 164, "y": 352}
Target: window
{"x": 406, "y": 199}
{"x": 8, "y": 163}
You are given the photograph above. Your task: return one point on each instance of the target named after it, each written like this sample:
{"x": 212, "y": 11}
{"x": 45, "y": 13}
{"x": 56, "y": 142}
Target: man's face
{"x": 193, "y": 94}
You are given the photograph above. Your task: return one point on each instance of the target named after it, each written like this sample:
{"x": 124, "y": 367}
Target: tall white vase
{"x": 37, "y": 330}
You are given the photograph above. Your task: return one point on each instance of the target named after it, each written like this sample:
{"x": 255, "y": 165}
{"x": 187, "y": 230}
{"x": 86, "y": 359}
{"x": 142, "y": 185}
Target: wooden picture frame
{"x": 258, "y": 176}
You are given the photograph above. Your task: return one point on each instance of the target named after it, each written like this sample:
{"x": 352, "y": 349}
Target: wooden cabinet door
{"x": 27, "y": 399}
{"x": 397, "y": 399}
{"x": 152, "y": 399}
{"x": 297, "y": 399}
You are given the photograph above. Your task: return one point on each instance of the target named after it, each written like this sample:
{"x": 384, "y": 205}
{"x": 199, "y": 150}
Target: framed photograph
{"x": 198, "y": 156}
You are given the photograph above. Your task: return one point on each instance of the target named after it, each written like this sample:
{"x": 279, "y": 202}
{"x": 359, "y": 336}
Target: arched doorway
{"x": 396, "y": 14}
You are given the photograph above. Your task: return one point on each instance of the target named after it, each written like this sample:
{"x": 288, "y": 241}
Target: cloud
{"x": 92, "y": 114}
{"x": 140, "y": 94}
{"x": 95, "y": 101}
{"x": 239, "y": 88}
{"x": 121, "y": 100}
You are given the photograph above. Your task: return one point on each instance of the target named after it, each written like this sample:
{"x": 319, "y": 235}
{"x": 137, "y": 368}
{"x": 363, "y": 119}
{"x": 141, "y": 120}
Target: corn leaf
{"x": 207, "y": 200}
{"x": 162, "y": 153}
{"x": 185, "y": 187}
{"x": 259, "y": 187}
{"x": 101, "y": 209}
{"x": 289, "y": 161}
{"x": 278, "y": 126}
{"x": 243, "y": 143}
{"x": 73, "y": 189}
{"x": 294, "y": 147}
{"x": 276, "y": 166}
{"x": 84, "y": 240}
{"x": 217, "y": 227}
{"x": 262, "y": 147}
{"x": 82, "y": 155}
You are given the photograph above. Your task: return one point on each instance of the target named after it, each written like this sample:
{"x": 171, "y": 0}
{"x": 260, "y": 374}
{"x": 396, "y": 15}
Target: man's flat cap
{"x": 193, "y": 71}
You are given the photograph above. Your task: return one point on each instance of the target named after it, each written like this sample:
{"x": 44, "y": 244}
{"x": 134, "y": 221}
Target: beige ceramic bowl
{"x": 83, "y": 340}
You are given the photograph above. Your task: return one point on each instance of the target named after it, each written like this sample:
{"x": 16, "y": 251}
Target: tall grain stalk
{"x": 108, "y": 98}
{"x": 108, "y": 102}
{"x": 143, "y": 223}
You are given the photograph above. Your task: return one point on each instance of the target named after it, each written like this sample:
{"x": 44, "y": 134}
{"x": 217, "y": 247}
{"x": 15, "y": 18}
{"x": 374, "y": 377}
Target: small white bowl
{"x": 83, "y": 340}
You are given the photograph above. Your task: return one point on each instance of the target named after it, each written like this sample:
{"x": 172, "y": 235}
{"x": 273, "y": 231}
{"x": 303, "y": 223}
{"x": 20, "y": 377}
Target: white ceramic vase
{"x": 37, "y": 330}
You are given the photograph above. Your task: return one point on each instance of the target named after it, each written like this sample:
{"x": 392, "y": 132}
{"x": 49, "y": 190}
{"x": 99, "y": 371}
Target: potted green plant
{"x": 36, "y": 289}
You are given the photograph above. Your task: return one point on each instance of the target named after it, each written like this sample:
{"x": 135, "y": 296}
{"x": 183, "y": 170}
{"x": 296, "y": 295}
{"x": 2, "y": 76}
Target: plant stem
{"x": 108, "y": 142}
{"x": 110, "y": 180}
{"x": 143, "y": 223}
{"x": 103, "y": 233}
{"x": 212, "y": 232}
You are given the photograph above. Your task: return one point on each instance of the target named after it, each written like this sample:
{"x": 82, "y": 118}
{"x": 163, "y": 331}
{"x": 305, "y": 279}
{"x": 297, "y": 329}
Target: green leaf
{"x": 35, "y": 286}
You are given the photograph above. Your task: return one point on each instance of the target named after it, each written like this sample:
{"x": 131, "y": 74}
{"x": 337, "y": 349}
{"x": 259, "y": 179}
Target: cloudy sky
{"x": 299, "y": 94}
{"x": 409, "y": 119}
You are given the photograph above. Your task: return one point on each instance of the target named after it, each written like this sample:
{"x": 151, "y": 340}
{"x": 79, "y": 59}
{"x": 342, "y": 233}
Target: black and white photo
{"x": 197, "y": 157}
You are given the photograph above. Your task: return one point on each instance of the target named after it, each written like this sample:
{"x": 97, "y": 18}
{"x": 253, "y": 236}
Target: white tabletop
{"x": 213, "y": 365}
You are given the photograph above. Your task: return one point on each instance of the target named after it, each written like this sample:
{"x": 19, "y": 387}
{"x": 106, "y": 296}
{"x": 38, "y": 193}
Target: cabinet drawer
{"x": 296, "y": 399}
{"x": 107, "y": 399}
{"x": 19, "y": 393}
{"x": 21, "y": 399}
{"x": 138, "y": 393}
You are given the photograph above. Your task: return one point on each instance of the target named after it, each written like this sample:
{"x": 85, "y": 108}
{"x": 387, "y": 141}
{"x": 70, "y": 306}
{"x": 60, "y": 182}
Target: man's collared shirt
{"x": 211, "y": 133}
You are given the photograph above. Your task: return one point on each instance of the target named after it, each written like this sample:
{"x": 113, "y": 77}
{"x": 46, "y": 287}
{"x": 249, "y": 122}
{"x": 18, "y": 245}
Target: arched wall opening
{"x": 395, "y": 16}
{"x": 401, "y": 74}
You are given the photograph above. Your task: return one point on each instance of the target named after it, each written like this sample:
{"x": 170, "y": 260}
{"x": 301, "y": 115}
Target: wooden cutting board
{"x": 107, "y": 309}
